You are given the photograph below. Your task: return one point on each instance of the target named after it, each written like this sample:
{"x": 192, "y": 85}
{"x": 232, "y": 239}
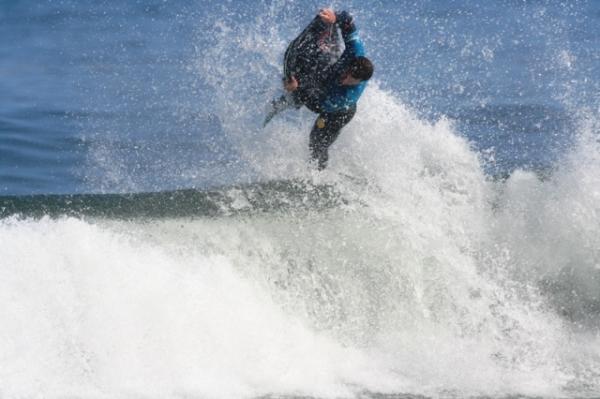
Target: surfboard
{"x": 276, "y": 106}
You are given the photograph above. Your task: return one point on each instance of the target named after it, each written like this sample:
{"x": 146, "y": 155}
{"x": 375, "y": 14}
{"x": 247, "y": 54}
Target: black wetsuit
{"x": 308, "y": 58}
{"x": 314, "y": 59}
{"x": 325, "y": 131}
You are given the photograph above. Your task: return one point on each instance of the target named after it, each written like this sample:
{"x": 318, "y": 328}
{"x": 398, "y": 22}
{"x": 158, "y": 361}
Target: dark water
{"x": 273, "y": 196}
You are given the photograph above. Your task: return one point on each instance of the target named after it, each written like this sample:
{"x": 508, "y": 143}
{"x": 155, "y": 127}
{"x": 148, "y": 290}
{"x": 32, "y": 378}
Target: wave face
{"x": 268, "y": 196}
{"x": 422, "y": 277}
{"x": 403, "y": 270}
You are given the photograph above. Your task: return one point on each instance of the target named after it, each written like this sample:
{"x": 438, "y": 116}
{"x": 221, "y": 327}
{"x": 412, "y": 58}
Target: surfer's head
{"x": 361, "y": 69}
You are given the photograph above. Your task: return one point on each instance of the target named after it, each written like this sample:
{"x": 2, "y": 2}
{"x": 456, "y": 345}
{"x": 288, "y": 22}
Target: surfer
{"x": 325, "y": 80}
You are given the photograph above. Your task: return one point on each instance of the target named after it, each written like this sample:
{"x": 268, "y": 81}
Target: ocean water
{"x": 156, "y": 241}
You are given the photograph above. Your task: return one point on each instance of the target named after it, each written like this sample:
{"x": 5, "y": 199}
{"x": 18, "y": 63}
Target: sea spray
{"x": 551, "y": 227}
{"x": 397, "y": 280}
{"x": 426, "y": 277}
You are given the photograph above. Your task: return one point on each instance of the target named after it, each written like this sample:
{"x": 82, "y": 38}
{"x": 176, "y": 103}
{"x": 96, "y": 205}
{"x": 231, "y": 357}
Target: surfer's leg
{"x": 325, "y": 131}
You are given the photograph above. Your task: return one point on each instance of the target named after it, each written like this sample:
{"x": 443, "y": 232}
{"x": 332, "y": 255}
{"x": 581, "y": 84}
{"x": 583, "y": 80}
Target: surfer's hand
{"x": 327, "y": 15}
{"x": 291, "y": 84}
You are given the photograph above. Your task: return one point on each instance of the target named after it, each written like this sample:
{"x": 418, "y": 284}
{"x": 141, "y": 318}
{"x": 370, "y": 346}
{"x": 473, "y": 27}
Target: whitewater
{"x": 403, "y": 270}
{"x": 431, "y": 279}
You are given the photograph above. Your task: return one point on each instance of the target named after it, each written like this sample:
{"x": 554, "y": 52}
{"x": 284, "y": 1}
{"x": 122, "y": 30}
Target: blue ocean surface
{"x": 157, "y": 241}
{"x": 105, "y": 97}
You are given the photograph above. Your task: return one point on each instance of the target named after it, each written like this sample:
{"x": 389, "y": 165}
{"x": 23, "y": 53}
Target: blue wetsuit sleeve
{"x": 354, "y": 46}
{"x": 353, "y": 43}
{"x": 338, "y": 97}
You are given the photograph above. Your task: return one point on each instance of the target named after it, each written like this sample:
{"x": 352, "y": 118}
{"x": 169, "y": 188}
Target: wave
{"x": 419, "y": 275}
{"x": 272, "y": 196}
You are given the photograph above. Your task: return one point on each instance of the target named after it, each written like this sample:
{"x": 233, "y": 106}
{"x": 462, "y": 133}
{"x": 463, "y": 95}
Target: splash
{"x": 428, "y": 279}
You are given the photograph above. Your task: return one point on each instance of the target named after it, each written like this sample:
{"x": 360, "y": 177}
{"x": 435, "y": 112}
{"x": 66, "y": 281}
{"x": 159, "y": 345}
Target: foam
{"x": 432, "y": 279}
{"x": 89, "y": 310}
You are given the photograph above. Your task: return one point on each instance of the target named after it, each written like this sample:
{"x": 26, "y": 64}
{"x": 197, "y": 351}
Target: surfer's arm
{"x": 354, "y": 46}
{"x": 352, "y": 42}
{"x": 343, "y": 20}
